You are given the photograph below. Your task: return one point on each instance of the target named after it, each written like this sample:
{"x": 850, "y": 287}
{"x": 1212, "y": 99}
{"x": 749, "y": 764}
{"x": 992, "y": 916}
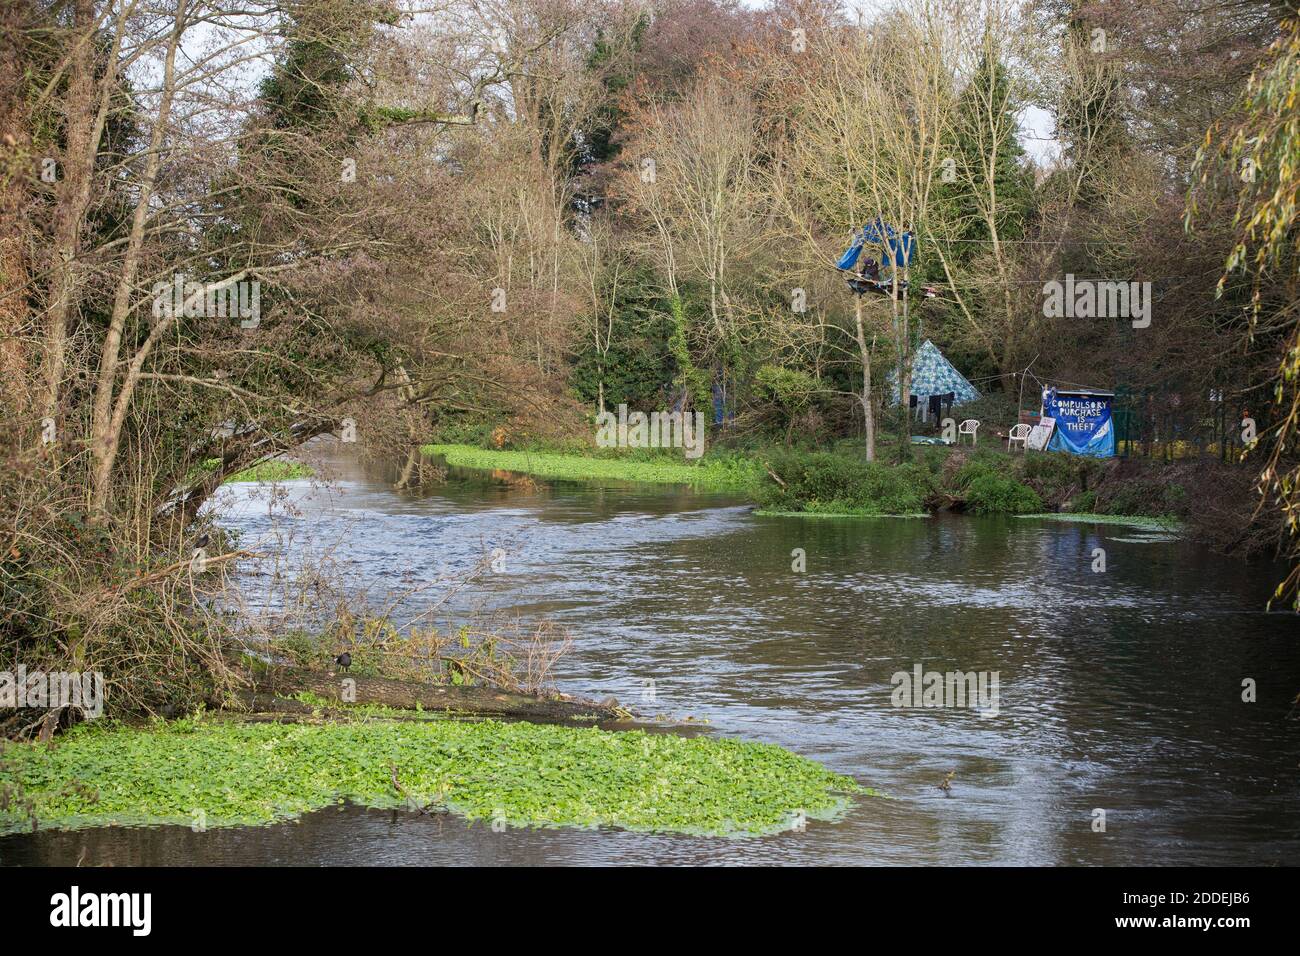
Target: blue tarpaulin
{"x": 850, "y": 257}
{"x": 1083, "y": 422}
{"x": 880, "y": 235}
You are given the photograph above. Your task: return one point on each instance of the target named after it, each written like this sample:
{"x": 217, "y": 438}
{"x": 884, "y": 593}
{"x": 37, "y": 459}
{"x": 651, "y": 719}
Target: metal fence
{"x": 1169, "y": 426}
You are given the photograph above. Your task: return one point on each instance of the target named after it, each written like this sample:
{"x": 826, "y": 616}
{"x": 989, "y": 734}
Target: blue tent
{"x": 932, "y": 374}
{"x": 881, "y": 235}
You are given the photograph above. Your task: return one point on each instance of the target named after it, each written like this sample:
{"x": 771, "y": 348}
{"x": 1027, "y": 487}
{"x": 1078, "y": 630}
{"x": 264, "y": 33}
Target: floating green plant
{"x": 277, "y": 469}
{"x": 221, "y": 773}
{"x": 1150, "y": 523}
{"x": 776, "y": 513}
{"x": 724, "y": 473}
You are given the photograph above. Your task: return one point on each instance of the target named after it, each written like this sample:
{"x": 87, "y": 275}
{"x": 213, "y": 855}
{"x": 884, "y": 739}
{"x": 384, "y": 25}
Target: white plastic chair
{"x": 968, "y": 427}
{"x": 1019, "y": 433}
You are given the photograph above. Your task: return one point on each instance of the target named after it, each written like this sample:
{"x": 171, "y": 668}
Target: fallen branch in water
{"x": 275, "y": 687}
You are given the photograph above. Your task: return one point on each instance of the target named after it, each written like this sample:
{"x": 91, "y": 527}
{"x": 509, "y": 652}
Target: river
{"x": 1119, "y": 690}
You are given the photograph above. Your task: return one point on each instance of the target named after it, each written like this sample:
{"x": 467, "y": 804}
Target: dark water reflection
{"x": 1119, "y": 690}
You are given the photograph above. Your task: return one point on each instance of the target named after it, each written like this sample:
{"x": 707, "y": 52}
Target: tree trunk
{"x": 865, "y": 354}
{"x": 902, "y": 346}
{"x": 286, "y": 682}
{"x": 108, "y": 417}
{"x": 15, "y": 272}
{"x": 72, "y": 194}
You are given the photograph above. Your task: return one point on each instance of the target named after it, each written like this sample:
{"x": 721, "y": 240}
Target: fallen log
{"x": 274, "y": 688}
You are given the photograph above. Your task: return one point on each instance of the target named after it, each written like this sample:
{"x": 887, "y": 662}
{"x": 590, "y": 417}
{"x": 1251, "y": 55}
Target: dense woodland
{"x": 489, "y": 219}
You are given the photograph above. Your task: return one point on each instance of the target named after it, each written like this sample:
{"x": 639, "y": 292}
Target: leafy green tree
{"x": 613, "y": 62}
{"x": 988, "y": 190}
{"x": 1259, "y": 152}
{"x": 638, "y": 362}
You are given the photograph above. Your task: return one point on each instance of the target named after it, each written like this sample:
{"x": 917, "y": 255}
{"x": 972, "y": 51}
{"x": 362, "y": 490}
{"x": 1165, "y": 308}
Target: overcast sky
{"x": 1036, "y": 124}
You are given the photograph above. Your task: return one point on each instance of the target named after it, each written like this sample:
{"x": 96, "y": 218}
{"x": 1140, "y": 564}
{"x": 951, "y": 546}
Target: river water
{"x": 1118, "y": 690}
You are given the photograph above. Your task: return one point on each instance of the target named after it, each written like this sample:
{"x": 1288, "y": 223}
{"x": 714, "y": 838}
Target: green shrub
{"x": 464, "y": 432}
{"x": 981, "y": 465}
{"x": 789, "y": 388}
{"x": 1176, "y": 498}
{"x": 931, "y": 459}
{"x": 1084, "y": 503}
{"x": 995, "y": 494}
{"x": 826, "y": 483}
{"x": 1055, "y": 471}
{"x": 1134, "y": 498}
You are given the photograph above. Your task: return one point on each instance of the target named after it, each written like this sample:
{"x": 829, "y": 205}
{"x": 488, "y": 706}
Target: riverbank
{"x": 209, "y": 772}
{"x": 786, "y": 482}
{"x": 646, "y": 581}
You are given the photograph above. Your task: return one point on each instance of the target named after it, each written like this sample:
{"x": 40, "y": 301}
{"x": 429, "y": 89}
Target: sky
{"x": 1036, "y": 123}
